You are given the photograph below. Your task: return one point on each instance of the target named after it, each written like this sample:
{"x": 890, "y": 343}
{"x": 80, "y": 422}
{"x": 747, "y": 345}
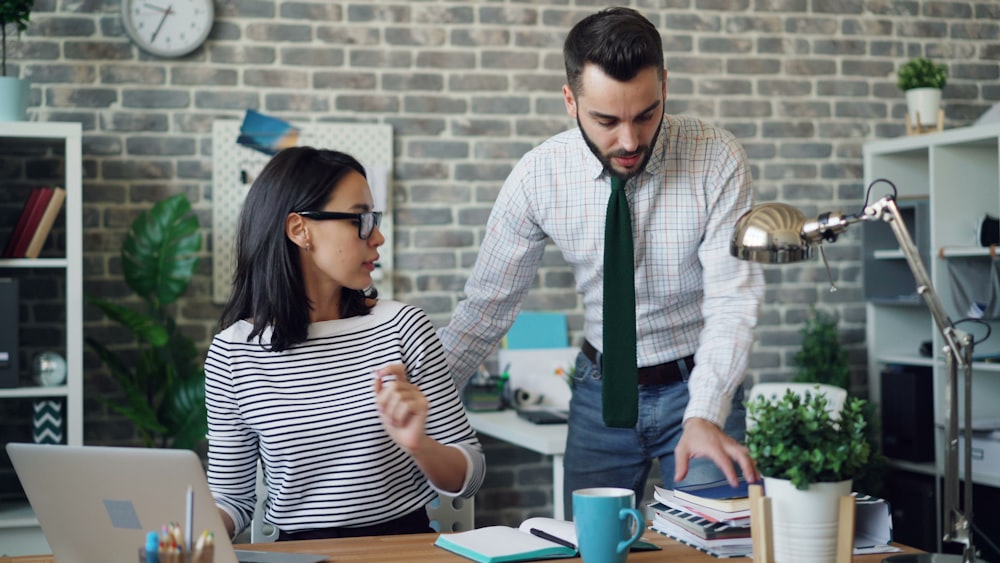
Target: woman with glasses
{"x": 345, "y": 399}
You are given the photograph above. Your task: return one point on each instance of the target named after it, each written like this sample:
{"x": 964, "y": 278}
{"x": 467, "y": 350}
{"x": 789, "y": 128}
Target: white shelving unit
{"x": 19, "y": 531}
{"x": 947, "y": 182}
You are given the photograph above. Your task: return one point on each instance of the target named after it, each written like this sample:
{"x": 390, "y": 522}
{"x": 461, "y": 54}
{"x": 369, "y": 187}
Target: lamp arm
{"x": 957, "y": 350}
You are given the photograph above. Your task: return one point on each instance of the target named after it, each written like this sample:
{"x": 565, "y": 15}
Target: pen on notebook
{"x": 554, "y": 539}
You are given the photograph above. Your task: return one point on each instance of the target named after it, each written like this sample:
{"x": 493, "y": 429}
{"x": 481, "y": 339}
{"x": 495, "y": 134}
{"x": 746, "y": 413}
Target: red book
{"x": 34, "y": 217}
{"x": 45, "y": 224}
{"x": 15, "y": 235}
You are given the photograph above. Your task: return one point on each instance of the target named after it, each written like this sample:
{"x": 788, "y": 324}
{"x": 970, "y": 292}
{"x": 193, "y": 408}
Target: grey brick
{"x": 435, "y": 104}
{"x": 344, "y": 80}
{"x": 312, "y": 56}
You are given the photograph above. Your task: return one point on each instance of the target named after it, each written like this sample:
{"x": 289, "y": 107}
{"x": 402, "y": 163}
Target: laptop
{"x": 96, "y": 503}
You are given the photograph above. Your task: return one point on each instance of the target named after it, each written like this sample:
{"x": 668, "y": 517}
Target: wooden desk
{"x": 546, "y": 439}
{"x": 419, "y": 548}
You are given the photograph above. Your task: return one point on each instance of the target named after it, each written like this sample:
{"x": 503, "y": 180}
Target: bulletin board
{"x": 234, "y": 167}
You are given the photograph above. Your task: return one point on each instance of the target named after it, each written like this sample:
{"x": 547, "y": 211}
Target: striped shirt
{"x": 309, "y": 414}
{"x": 692, "y": 297}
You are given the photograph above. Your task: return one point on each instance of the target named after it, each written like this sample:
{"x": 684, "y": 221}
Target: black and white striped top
{"x": 309, "y": 413}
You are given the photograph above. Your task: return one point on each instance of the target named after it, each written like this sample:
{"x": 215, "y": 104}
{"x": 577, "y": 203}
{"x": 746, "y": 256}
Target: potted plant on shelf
{"x": 808, "y": 458}
{"x": 922, "y": 81}
{"x": 162, "y": 378}
{"x": 14, "y": 91}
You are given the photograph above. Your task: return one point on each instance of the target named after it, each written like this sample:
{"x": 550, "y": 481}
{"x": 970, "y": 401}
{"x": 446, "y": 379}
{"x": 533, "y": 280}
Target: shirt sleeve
{"x": 733, "y": 290}
{"x": 232, "y": 447}
{"x": 447, "y": 422}
{"x": 505, "y": 267}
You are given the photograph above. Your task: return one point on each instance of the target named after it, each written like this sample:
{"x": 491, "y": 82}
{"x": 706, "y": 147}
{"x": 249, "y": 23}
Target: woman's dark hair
{"x": 268, "y": 288}
{"x": 620, "y": 41}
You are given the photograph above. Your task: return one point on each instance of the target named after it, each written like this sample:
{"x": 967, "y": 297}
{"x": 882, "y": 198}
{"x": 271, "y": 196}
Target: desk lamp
{"x": 776, "y": 233}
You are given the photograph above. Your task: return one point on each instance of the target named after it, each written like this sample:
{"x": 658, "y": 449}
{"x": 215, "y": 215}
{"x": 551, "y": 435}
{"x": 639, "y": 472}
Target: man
{"x": 695, "y": 306}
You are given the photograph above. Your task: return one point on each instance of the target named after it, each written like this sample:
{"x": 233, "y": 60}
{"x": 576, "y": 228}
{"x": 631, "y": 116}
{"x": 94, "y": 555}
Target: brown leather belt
{"x": 662, "y": 374}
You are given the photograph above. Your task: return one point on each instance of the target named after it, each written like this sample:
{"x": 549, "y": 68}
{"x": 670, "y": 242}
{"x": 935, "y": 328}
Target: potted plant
{"x": 162, "y": 378}
{"x": 922, "y": 81}
{"x": 14, "y": 17}
{"x": 808, "y": 459}
{"x": 823, "y": 359}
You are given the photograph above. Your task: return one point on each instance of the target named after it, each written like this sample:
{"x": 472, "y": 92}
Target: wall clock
{"x": 168, "y": 28}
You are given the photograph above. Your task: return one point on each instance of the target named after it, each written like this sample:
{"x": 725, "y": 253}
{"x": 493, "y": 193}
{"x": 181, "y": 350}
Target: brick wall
{"x": 468, "y": 87}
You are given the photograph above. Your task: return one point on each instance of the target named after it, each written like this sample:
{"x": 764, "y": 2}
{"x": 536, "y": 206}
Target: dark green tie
{"x": 620, "y": 384}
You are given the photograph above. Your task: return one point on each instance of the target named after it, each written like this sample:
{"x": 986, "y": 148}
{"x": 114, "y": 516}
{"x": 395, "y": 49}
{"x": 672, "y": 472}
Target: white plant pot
{"x": 922, "y": 104}
{"x": 804, "y": 523}
{"x": 14, "y": 93}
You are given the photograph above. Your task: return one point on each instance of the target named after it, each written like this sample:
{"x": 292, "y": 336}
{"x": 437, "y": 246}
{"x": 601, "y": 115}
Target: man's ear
{"x": 570, "y": 101}
{"x": 297, "y": 230}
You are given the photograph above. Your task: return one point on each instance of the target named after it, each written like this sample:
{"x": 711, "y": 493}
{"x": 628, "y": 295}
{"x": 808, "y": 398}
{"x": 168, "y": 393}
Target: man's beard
{"x": 606, "y": 159}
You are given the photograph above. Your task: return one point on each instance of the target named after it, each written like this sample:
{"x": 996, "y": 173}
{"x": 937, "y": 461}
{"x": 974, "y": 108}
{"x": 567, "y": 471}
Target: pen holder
{"x": 479, "y": 397}
{"x": 186, "y": 557}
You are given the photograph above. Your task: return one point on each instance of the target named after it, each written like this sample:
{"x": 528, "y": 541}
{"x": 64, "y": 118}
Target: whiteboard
{"x": 234, "y": 167}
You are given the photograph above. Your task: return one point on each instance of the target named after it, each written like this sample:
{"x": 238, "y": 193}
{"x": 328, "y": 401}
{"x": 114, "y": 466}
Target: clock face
{"x": 168, "y": 28}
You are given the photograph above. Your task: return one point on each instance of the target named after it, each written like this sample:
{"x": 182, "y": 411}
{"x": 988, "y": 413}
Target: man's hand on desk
{"x": 702, "y": 438}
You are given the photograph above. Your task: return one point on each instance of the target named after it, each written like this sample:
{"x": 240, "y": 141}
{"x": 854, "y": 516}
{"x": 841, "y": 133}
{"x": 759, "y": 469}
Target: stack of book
{"x": 711, "y": 517}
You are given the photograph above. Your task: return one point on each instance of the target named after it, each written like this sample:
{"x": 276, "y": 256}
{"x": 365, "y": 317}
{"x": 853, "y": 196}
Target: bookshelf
{"x": 947, "y": 183}
{"x": 41, "y": 142}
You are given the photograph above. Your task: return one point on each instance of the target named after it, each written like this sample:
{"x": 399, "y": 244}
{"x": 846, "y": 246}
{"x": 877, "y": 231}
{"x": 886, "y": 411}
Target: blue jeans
{"x": 599, "y": 456}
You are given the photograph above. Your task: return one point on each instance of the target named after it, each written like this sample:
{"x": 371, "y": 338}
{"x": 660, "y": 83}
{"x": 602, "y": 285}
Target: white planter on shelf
{"x": 804, "y": 523}
{"x": 922, "y": 104}
{"x": 14, "y": 93}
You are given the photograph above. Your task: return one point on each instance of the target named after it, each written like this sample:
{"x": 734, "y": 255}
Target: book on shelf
{"x": 15, "y": 234}
{"x": 32, "y": 216}
{"x": 536, "y": 538}
{"x": 718, "y": 495}
{"x": 735, "y": 518}
{"x": 699, "y": 525}
{"x": 49, "y": 215}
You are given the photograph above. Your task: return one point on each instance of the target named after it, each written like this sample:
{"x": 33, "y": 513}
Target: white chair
{"x": 447, "y": 514}
{"x": 835, "y": 396}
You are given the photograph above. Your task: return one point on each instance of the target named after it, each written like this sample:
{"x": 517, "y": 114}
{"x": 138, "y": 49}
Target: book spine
{"x": 31, "y": 224}
{"x": 18, "y": 232}
{"x": 45, "y": 223}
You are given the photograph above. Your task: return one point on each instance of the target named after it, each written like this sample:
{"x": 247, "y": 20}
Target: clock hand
{"x": 157, "y": 8}
{"x": 166, "y": 13}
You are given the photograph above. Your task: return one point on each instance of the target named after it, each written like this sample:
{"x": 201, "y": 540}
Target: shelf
{"x": 965, "y": 252}
{"x": 33, "y": 262}
{"x": 34, "y": 391}
{"x": 893, "y": 254}
{"x": 17, "y": 515}
{"x": 915, "y": 467}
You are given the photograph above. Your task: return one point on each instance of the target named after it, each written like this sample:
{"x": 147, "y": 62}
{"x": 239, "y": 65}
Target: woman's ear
{"x": 297, "y": 230}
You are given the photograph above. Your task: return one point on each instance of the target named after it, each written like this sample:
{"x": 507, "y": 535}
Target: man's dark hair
{"x": 620, "y": 41}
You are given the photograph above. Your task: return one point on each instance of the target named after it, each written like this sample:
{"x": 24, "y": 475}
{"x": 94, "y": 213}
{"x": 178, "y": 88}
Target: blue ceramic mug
{"x": 607, "y": 523}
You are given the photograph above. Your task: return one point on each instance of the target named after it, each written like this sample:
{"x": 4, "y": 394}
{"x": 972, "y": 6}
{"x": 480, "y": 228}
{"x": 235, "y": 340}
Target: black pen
{"x": 554, "y": 539}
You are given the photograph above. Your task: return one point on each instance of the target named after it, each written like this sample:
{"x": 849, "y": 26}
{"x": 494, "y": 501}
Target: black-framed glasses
{"x": 366, "y": 221}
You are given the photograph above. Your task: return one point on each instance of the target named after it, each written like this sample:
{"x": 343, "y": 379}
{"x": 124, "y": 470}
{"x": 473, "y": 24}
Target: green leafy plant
{"x": 921, "y": 73}
{"x": 795, "y": 438}
{"x": 162, "y": 378}
{"x": 822, "y": 359}
{"x": 13, "y": 14}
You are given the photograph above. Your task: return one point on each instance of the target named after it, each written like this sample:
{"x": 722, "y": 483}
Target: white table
{"x": 546, "y": 439}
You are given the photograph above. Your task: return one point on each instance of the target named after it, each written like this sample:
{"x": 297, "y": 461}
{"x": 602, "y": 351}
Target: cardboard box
{"x": 985, "y": 455}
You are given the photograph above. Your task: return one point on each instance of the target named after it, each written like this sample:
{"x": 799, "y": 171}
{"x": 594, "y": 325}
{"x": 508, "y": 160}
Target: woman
{"x": 345, "y": 399}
